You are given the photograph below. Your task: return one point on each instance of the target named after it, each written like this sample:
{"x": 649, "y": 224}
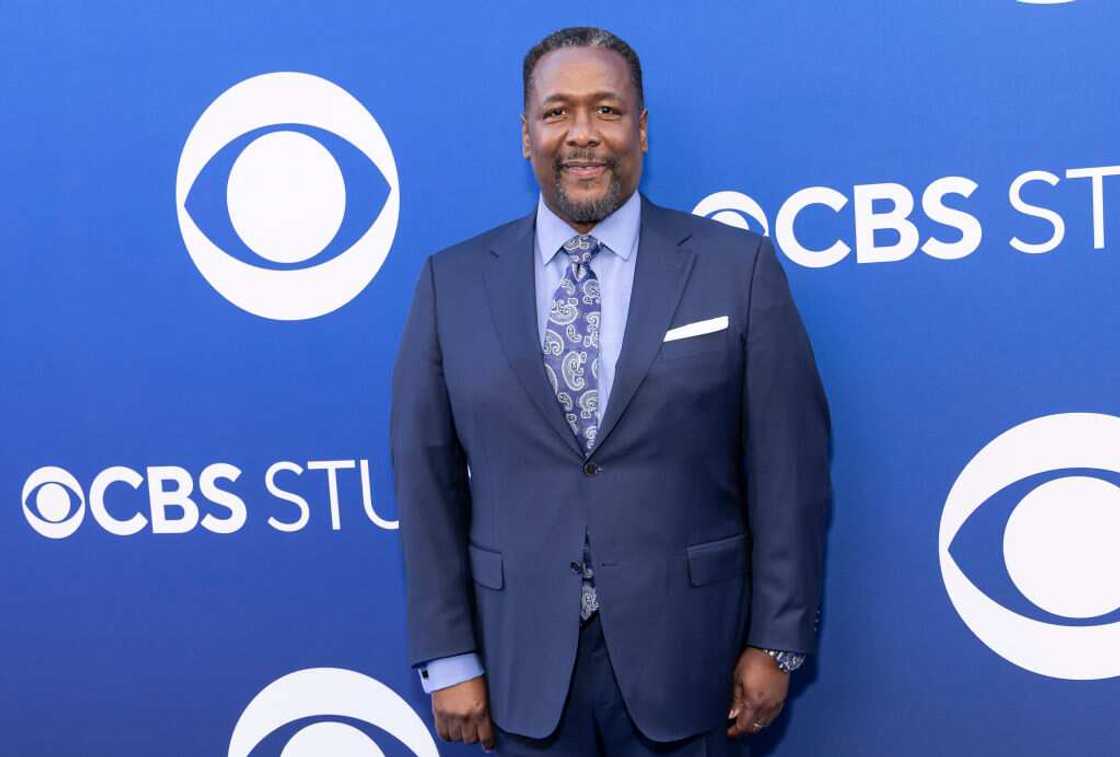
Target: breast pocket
{"x": 710, "y": 342}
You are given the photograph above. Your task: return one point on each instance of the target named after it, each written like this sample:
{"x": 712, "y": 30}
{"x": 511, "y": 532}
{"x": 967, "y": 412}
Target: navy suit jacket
{"x": 704, "y": 498}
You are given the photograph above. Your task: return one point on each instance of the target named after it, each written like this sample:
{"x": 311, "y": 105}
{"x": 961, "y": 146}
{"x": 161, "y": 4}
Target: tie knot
{"x": 581, "y": 248}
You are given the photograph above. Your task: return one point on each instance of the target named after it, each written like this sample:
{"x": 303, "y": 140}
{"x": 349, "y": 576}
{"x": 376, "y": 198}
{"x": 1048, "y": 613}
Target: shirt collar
{"x": 618, "y": 231}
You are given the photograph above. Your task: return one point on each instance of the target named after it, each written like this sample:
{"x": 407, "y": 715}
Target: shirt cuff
{"x": 447, "y": 671}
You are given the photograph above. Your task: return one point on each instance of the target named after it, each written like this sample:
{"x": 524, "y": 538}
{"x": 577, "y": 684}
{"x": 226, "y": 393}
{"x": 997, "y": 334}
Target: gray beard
{"x": 589, "y": 212}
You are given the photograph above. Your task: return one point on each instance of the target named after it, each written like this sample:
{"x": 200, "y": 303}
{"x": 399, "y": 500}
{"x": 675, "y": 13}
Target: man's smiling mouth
{"x": 584, "y": 169}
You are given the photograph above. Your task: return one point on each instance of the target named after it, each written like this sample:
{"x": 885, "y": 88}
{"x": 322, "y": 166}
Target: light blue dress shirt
{"x": 614, "y": 267}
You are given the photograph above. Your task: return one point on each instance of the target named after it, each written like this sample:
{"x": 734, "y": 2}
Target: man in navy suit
{"x": 610, "y": 446}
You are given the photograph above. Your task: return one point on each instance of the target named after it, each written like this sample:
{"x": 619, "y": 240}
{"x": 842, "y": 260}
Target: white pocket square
{"x": 696, "y": 328}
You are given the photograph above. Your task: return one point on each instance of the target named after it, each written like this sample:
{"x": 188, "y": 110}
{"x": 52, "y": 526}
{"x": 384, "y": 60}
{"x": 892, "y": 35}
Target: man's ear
{"x": 643, "y": 130}
{"x": 524, "y": 136}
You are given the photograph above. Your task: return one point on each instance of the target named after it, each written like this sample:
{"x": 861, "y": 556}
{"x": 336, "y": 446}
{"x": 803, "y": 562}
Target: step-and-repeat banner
{"x": 212, "y": 216}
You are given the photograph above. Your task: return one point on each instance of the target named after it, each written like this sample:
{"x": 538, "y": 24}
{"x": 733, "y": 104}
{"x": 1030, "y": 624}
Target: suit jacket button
{"x": 590, "y": 469}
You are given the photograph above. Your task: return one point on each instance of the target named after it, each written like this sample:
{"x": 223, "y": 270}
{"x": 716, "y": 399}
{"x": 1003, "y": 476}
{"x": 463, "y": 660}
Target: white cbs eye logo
{"x": 286, "y": 195}
{"x": 734, "y": 209}
{"x": 49, "y": 511}
{"x": 1060, "y": 545}
{"x": 330, "y": 692}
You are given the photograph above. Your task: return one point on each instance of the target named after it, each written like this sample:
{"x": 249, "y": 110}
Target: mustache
{"x": 585, "y": 157}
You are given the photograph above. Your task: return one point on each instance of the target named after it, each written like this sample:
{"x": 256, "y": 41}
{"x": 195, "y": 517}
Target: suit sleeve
{"x": 433, "y": 497}
{"x": 786, "y": 439}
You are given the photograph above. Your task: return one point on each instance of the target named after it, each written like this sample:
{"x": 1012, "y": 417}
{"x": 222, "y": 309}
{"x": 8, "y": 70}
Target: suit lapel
{"x": 660, "y": 274}
{"x": 511, "y": 290}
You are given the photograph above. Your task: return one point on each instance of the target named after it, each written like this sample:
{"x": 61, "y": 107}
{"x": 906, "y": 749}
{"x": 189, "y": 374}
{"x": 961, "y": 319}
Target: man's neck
{"x": 582, "y": 228}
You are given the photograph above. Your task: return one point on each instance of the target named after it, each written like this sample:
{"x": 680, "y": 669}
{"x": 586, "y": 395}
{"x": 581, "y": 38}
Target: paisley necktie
{"x": 571, "y": 361}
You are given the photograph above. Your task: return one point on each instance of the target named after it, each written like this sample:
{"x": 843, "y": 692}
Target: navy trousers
{"x": 595, "y": 722}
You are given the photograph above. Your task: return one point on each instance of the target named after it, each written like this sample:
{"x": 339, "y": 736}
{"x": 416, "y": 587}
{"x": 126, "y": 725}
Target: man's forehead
{"x": 580, "y": 72}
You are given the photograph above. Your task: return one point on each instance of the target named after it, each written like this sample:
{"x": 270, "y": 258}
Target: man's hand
{"x": 462, "y": 713}
{"x": 758, "y": 692}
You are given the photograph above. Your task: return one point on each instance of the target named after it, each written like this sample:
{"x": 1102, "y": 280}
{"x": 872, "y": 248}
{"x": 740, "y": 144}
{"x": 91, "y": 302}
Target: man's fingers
{"x": 736, "y": 700}
{"x": 469, "y": 731}
{"x": 460, "y": 709}
{"x": 486, "y": 732}
{"x": 747, "y": 718}
{"x": 747, "y": 715}
{"x": 455, "y": 730}
{"x": 773, "y": 713}
{"x": 441, "y": 724}
{"x": 754, "y": 719}
{"x": 767, "y": 714}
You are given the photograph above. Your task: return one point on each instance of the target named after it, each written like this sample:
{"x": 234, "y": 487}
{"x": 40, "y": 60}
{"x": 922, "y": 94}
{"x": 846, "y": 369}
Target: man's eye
{"x": 554, "y": 113}
{"x": 608, "y": 110}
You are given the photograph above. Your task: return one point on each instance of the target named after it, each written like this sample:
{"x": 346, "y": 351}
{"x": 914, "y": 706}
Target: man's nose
{"x": 583, "y": 132}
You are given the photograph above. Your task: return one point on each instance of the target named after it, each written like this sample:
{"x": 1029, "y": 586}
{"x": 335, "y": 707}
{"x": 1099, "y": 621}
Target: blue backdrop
{"x": 199, "y": 544}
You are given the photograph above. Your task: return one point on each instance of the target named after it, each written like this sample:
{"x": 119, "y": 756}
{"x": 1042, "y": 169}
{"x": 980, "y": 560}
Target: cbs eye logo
{"x": 734, "y": 209}
{"x": 334, "y": 693}
{"x": 1060, "y": 545}
{"x": 286, "y": 200}
{"x": 50, "y": 511}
